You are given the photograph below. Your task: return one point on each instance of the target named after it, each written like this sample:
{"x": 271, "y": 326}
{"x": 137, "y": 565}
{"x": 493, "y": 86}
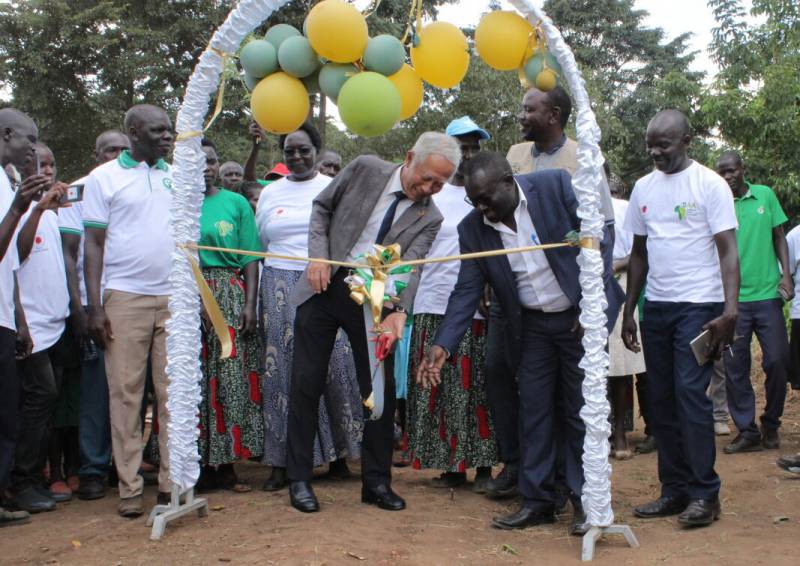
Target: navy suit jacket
{"x": 553, "y": 209}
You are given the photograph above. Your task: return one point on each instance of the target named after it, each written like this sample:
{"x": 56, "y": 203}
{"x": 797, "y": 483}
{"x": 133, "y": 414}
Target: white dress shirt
{"x": 537, "y": 285}
{"x": 367, "y": 238}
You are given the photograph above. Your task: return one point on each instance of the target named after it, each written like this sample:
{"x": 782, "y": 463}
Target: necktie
{"x": 388, "y": 218}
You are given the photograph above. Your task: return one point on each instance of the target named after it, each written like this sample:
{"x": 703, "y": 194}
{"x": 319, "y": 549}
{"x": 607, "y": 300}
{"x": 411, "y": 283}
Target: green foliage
{"x": 755, "y": 101}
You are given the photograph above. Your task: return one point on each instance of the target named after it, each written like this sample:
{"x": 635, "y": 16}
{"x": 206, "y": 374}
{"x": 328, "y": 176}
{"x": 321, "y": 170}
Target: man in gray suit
{"x": 370, "y": 202}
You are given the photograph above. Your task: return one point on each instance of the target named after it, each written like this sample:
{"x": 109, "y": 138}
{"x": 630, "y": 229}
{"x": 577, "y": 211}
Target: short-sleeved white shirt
{"x": 132, "y": 202}
{"x": 43, "y": 282}
{"x": 282, "y": 217}
{"x": 70, "y": 221}
{"x": 8, "y": 262}
{"x": 623, "y": 239}
{"x": 680, "y": 214}
{"x": 439, "y": 279}
{"x": 793, "y": 240}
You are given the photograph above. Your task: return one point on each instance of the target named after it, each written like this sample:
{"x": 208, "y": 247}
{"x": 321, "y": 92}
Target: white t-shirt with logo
{"x": 43, "y": 282}
{"x": 623, "y": 239}
{"x": 8, "y": 262}
{"x": 680, "y": 214}
{"x": 132, "y": 202}
{"x": 283, "y": 214}
{"x": 439, "y": 279}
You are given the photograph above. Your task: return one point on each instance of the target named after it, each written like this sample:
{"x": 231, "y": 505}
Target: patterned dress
{"x": 231, "y": 421}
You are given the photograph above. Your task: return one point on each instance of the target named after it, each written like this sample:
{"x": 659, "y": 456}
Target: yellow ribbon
{"x": 379, "y": 262}
{"x": 183, "y": 136}
{"x": 212, "y": 308}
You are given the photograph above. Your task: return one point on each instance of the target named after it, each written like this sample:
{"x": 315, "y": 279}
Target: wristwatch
{"x": 400, "y": 309}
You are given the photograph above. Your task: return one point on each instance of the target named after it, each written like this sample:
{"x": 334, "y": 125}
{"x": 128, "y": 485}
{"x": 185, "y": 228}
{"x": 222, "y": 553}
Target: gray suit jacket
{"x": 340, "y": 214}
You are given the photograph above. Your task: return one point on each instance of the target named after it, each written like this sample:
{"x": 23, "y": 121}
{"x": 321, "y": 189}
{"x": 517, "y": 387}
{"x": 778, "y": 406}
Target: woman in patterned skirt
{"x": 231, "y": 420}
{"x": 449, "y": 428}
{"x": 282, "y": 215}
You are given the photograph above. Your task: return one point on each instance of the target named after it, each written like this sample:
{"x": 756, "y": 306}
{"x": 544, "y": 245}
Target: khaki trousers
{"x": 138, "y": 324}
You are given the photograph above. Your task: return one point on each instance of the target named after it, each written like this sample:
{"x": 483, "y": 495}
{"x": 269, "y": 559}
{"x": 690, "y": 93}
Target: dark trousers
{"x": 501, "y": 389}
{"x": 641, "y": 396}
{"x": 549, "y": 376}
{"x": 765, "y": 318}
{"x": 681, "y": 415}
{"x": 794, "y": 346}
{"x": 40, "y": 376}
{"x": 316, "y": 324}
{"x": 9, "y": 404}
{"x": 94, "y": 430}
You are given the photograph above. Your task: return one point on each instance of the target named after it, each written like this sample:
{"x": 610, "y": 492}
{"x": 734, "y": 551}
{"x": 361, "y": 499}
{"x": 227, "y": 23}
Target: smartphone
{"x": 74, "y": 194}
{"x": 700, "y": 347}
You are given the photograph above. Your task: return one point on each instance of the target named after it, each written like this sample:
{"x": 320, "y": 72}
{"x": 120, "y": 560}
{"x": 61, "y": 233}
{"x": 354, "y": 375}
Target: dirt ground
{"x": 760, "y": 524}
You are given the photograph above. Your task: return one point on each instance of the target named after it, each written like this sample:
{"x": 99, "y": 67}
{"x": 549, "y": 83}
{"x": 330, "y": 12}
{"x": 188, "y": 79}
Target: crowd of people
{"x": 486, "y": 367}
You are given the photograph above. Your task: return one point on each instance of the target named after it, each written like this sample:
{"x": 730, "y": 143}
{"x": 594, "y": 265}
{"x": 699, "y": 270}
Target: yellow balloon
{"x": 409, "y": 85}
{"x": 441, "y": 57}
{"x": 546, "y": 80}
{"x": 501, "y": 39}
{"x": 279, "y": 103}
{"x": 337, "y": 31}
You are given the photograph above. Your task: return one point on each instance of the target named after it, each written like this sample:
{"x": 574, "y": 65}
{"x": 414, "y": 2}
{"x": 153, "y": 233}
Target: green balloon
{"x": 535, "y": 65}
{"x": 311, "y": 82}
{"x": 297, "y": 57}
{"x": 279, "y": 33}
{"x": 333, "y": 75}
{"x": 259, "y": 58}
{"x": 369, "y": 104}
{"x": 384, "y": 54}
{"x": 250, "y": 81}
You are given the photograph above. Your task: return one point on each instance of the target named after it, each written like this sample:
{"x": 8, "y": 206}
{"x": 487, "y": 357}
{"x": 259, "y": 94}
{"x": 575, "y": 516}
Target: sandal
{"x": 241, "y": 487}
{"x": 621, "y": 454}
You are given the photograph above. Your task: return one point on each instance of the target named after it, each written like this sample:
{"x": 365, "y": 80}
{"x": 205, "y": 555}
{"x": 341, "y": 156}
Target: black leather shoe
{"x": 742, "y": 444}
{"x": 302, "y": 497}
{"x": 790, "y": 463}
{"x": 700, "y": 513}
{"x": 523, "y": 518}
{"x": 646, "y": 446}
{"x": 578, "y": 526}
{"x": 449, "y": 480}
{"x": 30, "y": 500}
{"x": 770, "y": 439}
{"x": 92, "y": 487}
{"x": 661, "y": 507}
{"x": 383, "y": 497}
{"x": 505, "y": 484}
{"x": 277, "y": 480}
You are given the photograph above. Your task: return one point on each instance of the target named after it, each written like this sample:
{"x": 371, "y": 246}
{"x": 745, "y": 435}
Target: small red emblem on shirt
{"x": 644, "y": 209}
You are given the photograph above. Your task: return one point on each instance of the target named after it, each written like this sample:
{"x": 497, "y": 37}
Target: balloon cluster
{"x": 506, "y": 41}
{"x": 367, "y": 77}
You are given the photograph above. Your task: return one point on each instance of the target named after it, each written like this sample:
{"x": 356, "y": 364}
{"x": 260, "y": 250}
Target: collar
{"x": 521, "y": 206}
{"x": 748, "y": 194}
{"x": 126, "y": 161}
{"x": 536, "y": 152}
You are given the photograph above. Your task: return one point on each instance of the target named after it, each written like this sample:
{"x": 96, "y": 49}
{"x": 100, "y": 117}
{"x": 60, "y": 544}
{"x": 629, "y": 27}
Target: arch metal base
{"x": 590, "y": 539}
{"x": 163, "y": 514}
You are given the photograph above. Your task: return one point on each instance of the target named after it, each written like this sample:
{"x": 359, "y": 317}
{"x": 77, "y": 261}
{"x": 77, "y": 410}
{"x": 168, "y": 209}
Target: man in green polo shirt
{"x": 762, "y": 245}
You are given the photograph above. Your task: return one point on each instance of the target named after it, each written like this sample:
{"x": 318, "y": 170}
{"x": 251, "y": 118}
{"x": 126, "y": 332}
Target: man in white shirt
{"x": 684, "y": 224}
{"x": 94, "y": 434}
{"x": 126, "y": 213}
{"x": 18, "y": 135}
{"x": 43, "y": 295}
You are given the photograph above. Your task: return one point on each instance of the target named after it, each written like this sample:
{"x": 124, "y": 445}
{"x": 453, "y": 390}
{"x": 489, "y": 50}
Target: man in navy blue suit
{"x": 539, "y": 293}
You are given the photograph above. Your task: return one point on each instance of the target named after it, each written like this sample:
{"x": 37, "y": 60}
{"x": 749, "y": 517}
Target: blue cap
{"x": 465, "y": 125}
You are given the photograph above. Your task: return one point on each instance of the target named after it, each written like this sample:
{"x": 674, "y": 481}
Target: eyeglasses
{"x": 302, "y": 151}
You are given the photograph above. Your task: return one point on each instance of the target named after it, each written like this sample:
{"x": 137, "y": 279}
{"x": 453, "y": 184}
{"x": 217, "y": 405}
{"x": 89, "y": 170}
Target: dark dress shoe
{"x": 450, "y": 480}
{"x": 523, "y": 518}
{"x": 277, "y": 480}
{"x": 30, "y": 500}
{"x": 790, "y": 463}
{"x": 578, "y": 526}
{"x": 302, "y": 497}
{"x": 505, "y": 484}
{"x": 700, "y": 513}
{"x": 92, "y": 487}
{"x": 661, "y": 507}
{"x": 338, "y": 470}
{"x": 770, "y": 439}
{"x": 383, "y": 497}
{"x": 646, "y": 446}
{"x": 742, "y": 444}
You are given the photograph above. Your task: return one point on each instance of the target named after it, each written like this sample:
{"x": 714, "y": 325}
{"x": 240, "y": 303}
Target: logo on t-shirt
{"x": 280, "y": 212}
{"x": 644, "y": 209}
{"x": 685, "y": 209}
{"x": 761, "y": 210}
{"x": 224, "y": 228}
{"x": 167, "y": 184}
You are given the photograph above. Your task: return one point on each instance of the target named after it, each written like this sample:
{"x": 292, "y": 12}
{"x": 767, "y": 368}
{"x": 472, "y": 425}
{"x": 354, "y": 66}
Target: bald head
{"x": 491, "y": 187}
{"x": 109, "y": 145}
{"x": 150, "y": 132}
{"x": 668, "y": 137}
{"x": 18, "y": 134}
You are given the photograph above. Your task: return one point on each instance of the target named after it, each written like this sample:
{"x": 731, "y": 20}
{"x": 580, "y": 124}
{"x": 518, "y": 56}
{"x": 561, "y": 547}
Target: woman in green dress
{"x": 231, "y": 419}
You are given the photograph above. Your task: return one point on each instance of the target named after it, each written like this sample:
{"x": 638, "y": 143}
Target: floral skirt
{"x": 449, "y": 427}
{"x": 231, "y": 420}
{"x": 341, "y": 420}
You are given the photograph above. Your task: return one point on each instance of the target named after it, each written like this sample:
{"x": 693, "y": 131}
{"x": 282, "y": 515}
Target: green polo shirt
{"x": 758, "y": 212}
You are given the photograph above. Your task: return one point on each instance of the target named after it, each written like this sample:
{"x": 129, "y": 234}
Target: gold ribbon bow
{"x": 380, "y": 262}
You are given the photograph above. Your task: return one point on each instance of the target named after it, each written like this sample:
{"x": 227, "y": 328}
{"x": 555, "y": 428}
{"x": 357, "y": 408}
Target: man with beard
{"x": 128, "y": 239}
